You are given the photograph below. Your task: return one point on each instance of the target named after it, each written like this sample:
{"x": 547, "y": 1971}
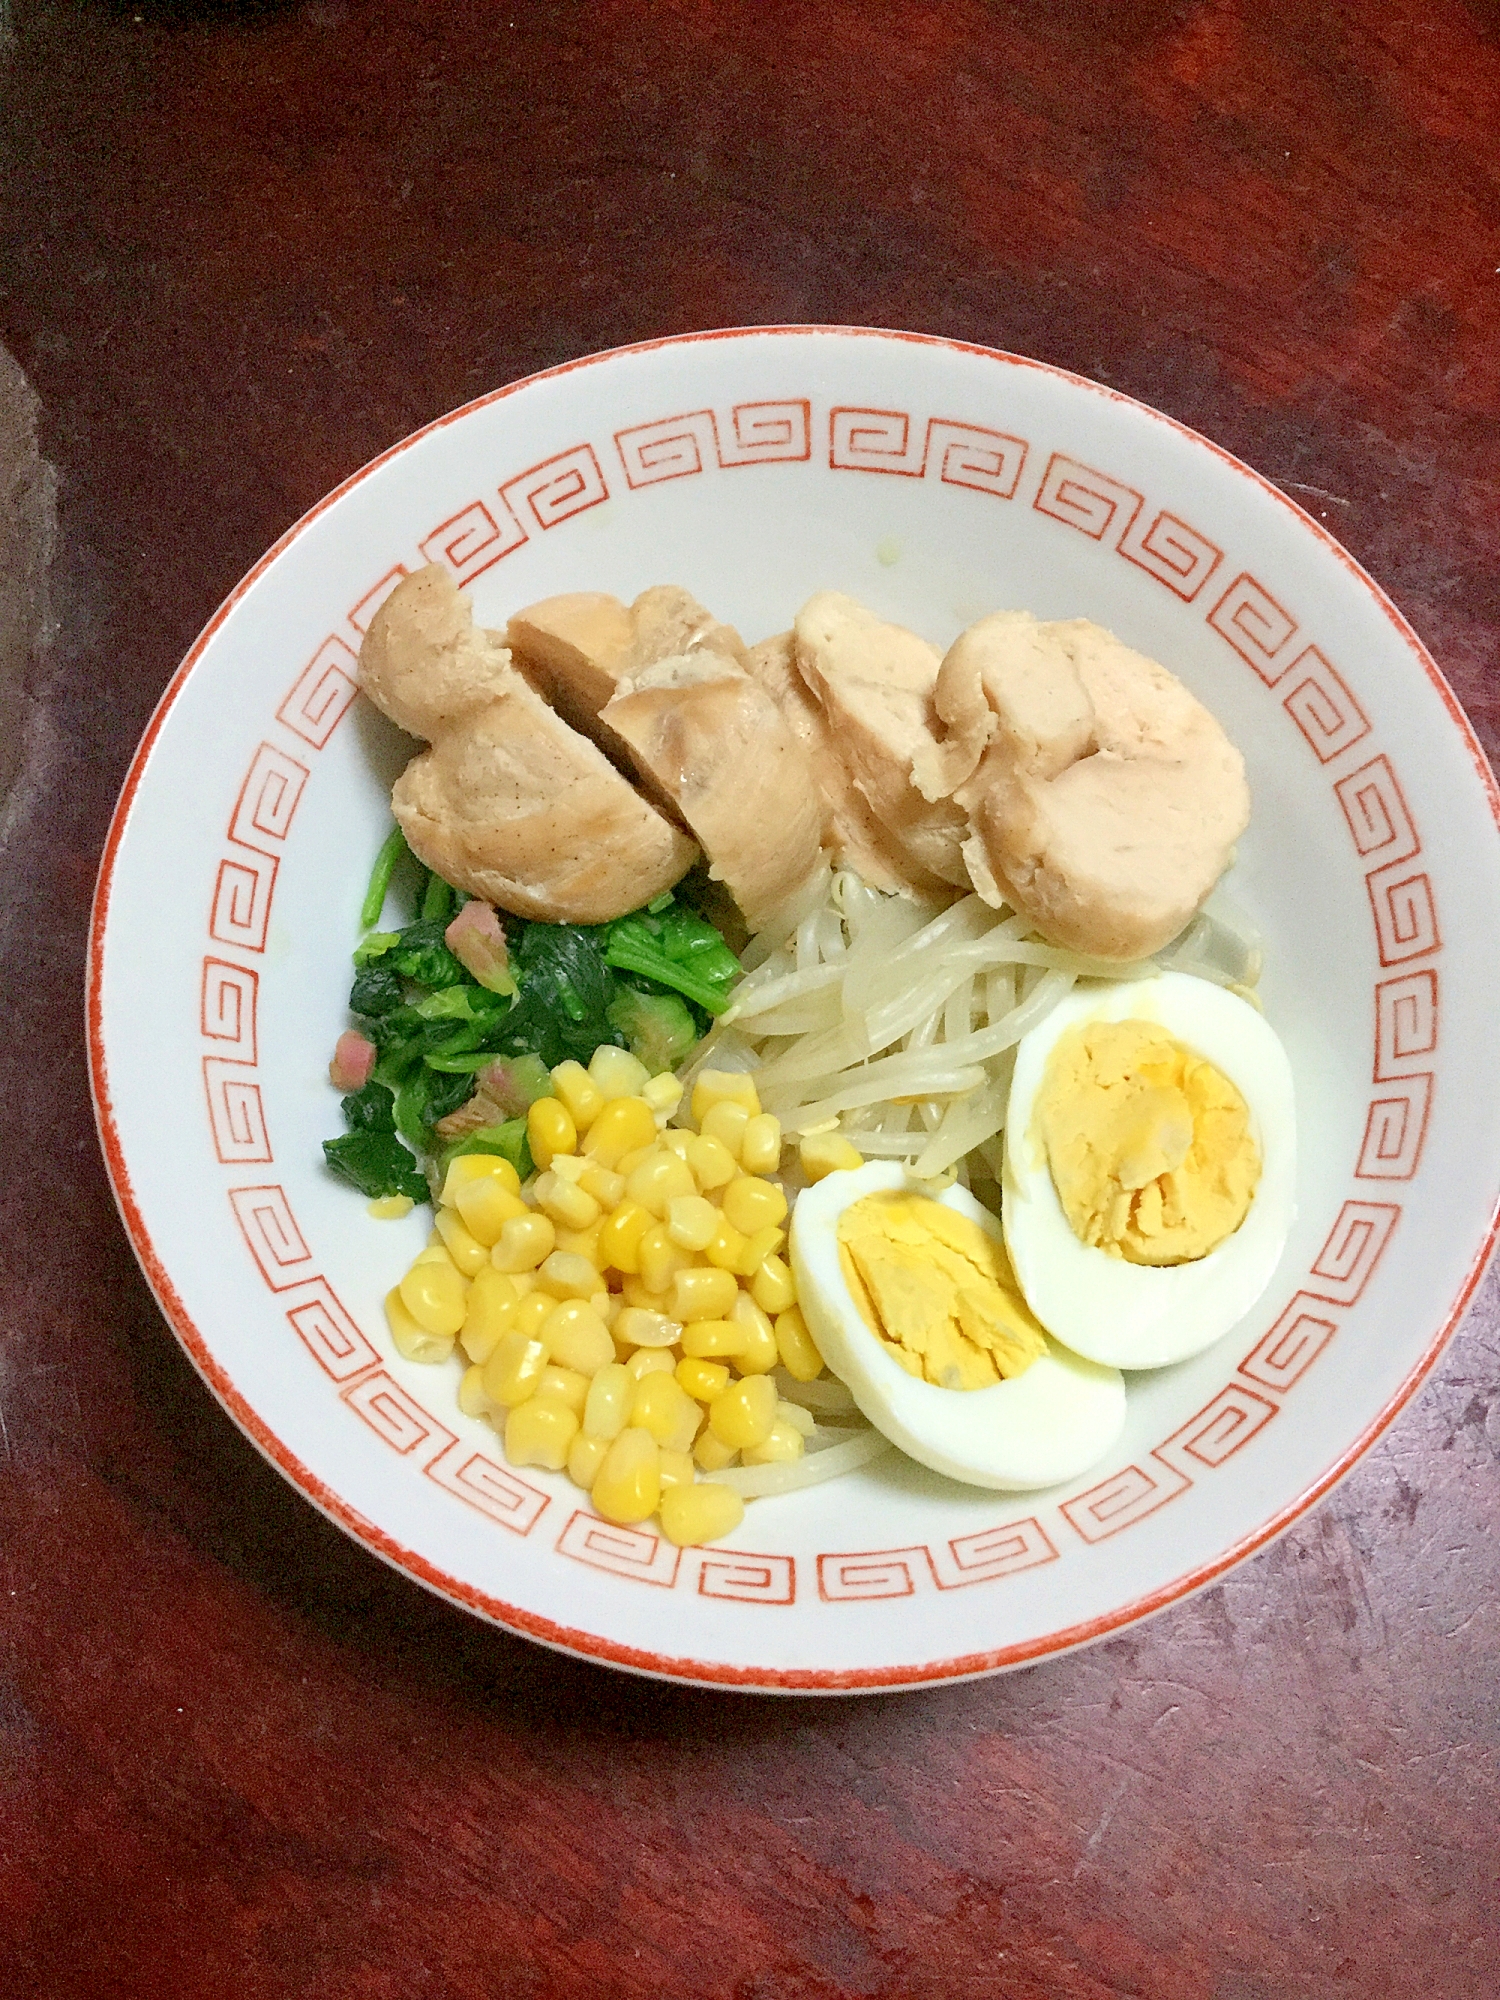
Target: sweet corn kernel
{"x": 434, "y": 1251}
{"x": 723, "y": 1086}
{"x": 650, "y": 1361}
{"x": 639, "y": 1328}
{"x": 390, "y": 1207}
{"x": 550, "y": 1130}
{"x": 471, "y": 1397}
{"x": 467, "y": 1252}
{"x": 582, "y": 1243}
{"x": 662, "y": 1406}
{"x": 435, "y": 1294}
{"x": 578, "y": 1094}
{"x": 617, "y": 1073}
{"x": 713, "y": 1164}
{"x": 603, "y": 1183}
{"x": 663, "y": 1093}
{"x": 802, "y": 1421}
{"x": 607, "y": 1404}
{"x": 773, "y": 1287}
{"x": 703, "y": 1380}
{"x": 661, "y": 1259}
{"x": 676, "y": 1469}
{"x": 712, "y": 1337}
{"x": 704, "y": 1293}
{"x": 488, "y": 1312}
{"x": 568, "y": 1167}
{"x": 538, "y": 1432}
{"x": 780, "y": 1448}
{"x": 585, "y": 1455}
{"x": 478, "y": 1167}
{"x": 658, "y": 1178}
{"x": 486, "y": 1204}
{"x": 576, "y": 1337}
{"x": 514, "y": 1369}
{"x": 677, "y": 1141}
{"x": 711, "y": 1454}
{"x": 824, "y": 1153}
{"x": 758, "y": 1355}
{"x": 754, "y": 1250}
{"x": 566, "y": 1275}
{"x": 751, "y": 1203}
{"x": 524, "y": 1241}
{"x": 745, "y": 1414}
{"x": 700, "y": 1513}
{"x": 566, "y": 1202}
{"x": 727, "y": 1250}
{"x": 796, "y": 1346}
{"x": 607, "y": 1305}
{"x": 628, "y": 1485}
{"x": 531, "y": 1314}
{"x": 725, "y": 1124}
{"x": 414, "y": 1341}
{"x": 636, "y": 1292}
{"x": 564, "y": 1385}
{"x": 691, "y": 1221}
{"x": 623, "y": 1126}
{"x": 760, "y": 1147}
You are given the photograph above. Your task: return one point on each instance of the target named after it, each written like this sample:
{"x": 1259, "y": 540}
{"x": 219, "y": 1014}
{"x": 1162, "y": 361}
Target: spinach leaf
{"x": 369, "y": 1109}
{"x": 676, "y": 948}
{"x": 377, "y": 1164}
{"x": 377, "y": 989}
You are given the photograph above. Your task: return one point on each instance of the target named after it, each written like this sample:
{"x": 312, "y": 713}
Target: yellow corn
{"x": 754, "y": 1250}
{"x": 478, "y": 1167}
{"x": 676, "y": 1141}
{"x": 566, "y": 1275}
{"x": 467, "y": 1252}
{"x": 703, "y": 1380}
{"x": 617, "y": 1073}
{"x": 565, "y": 1201}
{"x": 751, "y": 1203}
{"x": 661, "y": 1259}
{"x": 578, "y": 1094}
{"x": 471, "y": 1397}
{"x": 700, "y": 1513}
{"x": 435, "y": 1251}
{"x": 434, "y": 1295}
{"x": 676, "y": 1469}
{"x": 758, "y": 1354}
{"x": 390, "y": 1207}
{"x": 576, "y": 1337}
{"x": 727, "y": 1250}
{"x": 703, "y": 1294}
{"x": 636, "y": 1292}
{"x": 550, "y": 1130}
{"x": 623, "y": 1126}
{"x": 774, "y": 1288}
{"x": 663, "y": 1407}
{"x": 802, "y": 1421}
{"x": 760, "y": 1147}
{"x": 712, "y": 1337}
{"x": 603, "y": 1183}
{"x": 628, "y": 1485}
{"x": 607, "y": 1404}
{"x": 745, "y": 1414}
{"x": 713, "y": 1165}
{"x": 824, "y": 1153}
{"x": 628, "y": 1162}
{"x": 582, "y": 1243}
{"x": 782, "y": 1446}
{"x": 650, "y": 1361}
{"x": 523, "y": 1243}
{"x": 691, "y": 1221}
{"x": 620, "y": 1238}
{"x": 489, "y": 1310}
{"x": 486, "y": 1204}
{"x": 711, "y": 1454}
{"x": 725, "y": 1124}
{"x": 514, "y": 1369}
{"x": 414, "y": 1341}
{"x": 531, "y": 1314}
{"x": 639, "y": 1328}
{"x": 538, "y": 1432}
{"x": 723, "y": 1086}
{"x": 796, "y": 1346}
{"x": 566, "y": 1386}
{"x": 658, "y": 1178}
{"x": 585, "y": 1455}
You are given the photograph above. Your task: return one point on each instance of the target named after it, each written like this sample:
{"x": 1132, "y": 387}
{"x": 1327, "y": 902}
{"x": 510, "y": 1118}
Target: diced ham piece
{"x": 353, "y": 1060}
{"x": 477, "y": 941}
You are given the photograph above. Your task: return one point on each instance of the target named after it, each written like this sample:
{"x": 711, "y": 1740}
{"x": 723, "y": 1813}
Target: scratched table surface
{"x": 242, "y": 251}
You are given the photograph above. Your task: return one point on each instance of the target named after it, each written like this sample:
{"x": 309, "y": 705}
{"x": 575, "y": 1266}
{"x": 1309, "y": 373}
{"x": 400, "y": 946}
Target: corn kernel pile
{"x": 621, "y": 1314}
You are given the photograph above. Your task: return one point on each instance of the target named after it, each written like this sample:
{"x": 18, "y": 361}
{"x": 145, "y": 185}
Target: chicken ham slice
{"x": 509, "y": 802}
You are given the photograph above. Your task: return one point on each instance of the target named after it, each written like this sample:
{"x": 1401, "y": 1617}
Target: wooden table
{"x": 244, "y": 248}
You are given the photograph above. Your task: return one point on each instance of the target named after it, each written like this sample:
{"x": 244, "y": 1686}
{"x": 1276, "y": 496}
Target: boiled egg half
{"x": 1149, "y": 1178}
{"x": 1043, "y": 1425}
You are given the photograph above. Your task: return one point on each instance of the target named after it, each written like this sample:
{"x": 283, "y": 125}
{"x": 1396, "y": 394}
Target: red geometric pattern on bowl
{"x": 892, "y": 441}
{"x": 1221, "y": 1428}
{"x": 747, "y": 1579}
{"x": 1406, "y": 1022}
{"x": 1257, "y": 627}
{"x": 1281, "y": 1357}
{"x": 329, "y": 1331}
{"x": 1322, "y": 707}
{"x": 748, "y": 434}
{"x": 630, "y": 1552}
{"x": 236, "y": 1114}
{"x": 1172, "y": 552}
{"x": 1395, "y": 1127}
{"x": 321, "y": 694}
{"x": 1092, "y": 502}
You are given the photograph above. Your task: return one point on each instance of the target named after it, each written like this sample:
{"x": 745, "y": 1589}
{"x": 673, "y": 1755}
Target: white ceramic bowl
{"x": 935, "y": 482}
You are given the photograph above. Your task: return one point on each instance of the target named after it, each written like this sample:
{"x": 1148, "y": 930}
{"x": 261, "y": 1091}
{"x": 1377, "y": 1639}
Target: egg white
{"x": 1046, "y": 1425}
{"x": 1137, "y": 1315}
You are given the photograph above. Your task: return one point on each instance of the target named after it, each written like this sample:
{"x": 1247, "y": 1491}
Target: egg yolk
{"x": 936, "y": 1291}
{"x": 1149, "y": 1145}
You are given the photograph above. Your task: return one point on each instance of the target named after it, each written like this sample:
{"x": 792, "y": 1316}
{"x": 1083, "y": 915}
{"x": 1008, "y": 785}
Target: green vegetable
{"x": 375, "y": 946}
{"x": 437, "y": 901}
{"x": 676, "y": 948}
{"x": 377, "y": 1164}
{"x": 376, "y": 990}
{"x": 391, "y": 851}
{"x": 565, "y": 989}
{"x": 516, "y": 1082}
{"x": 508, "y": 1140}
{"x": 420, "y": 954}
{"x": 369, "y": 1109}
{"x": 657, "y": 1027}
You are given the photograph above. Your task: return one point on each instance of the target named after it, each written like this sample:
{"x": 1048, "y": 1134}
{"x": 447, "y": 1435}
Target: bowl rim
{"x": 533, "y": 1625}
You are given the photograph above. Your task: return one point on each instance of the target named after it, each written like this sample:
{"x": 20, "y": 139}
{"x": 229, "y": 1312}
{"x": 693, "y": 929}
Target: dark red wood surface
{"x": 241, "y": 251}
